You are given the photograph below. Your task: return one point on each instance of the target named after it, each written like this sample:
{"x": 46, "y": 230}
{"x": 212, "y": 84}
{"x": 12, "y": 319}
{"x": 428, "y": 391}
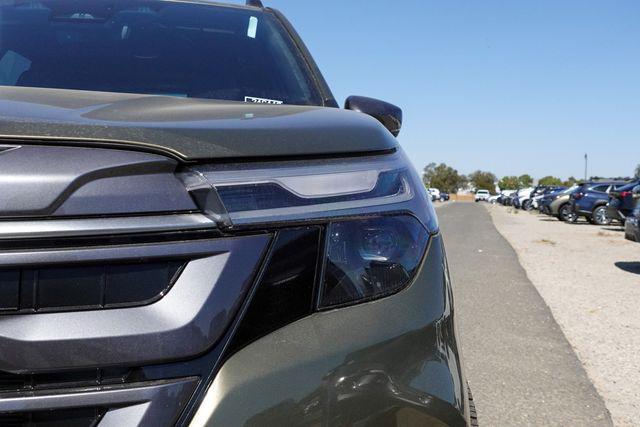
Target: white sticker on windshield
{"x": 262, "y": 100}
{"x": 253, "y": 27}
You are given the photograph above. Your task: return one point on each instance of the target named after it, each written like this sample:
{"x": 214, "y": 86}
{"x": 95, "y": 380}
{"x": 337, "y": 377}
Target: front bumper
{"x": 380, "y": 363}
{"x": 146, "y": 317}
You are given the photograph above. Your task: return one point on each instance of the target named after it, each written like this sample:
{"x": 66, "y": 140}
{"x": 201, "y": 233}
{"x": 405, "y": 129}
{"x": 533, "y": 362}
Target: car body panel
{"x": 555, "y": 205}
{"x": 620, "y": 207}
{"x": 45, "y": 181}
{"x": 351, "y": 365}
{"x": 186, "y": 128}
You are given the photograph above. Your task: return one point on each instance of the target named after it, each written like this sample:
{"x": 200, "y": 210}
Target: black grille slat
{"x": 85, "y": 287}
{"x": 9, "y": 290}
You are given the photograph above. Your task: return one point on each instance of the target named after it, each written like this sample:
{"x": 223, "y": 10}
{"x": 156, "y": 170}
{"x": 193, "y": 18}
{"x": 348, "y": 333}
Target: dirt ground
{"x": 589, "y": 276}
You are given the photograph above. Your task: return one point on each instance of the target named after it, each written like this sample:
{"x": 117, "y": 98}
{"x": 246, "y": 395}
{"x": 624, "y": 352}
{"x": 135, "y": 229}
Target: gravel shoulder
{"x": 518, "y": 362}
{"x": 589, "y": 277}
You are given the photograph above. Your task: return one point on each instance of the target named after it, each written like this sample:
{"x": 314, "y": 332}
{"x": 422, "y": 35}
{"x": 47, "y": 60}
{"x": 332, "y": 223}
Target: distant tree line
{"x": 448, "y": 179}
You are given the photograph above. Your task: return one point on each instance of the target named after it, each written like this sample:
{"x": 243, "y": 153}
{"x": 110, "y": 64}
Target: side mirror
{"x": 387, "y": 114}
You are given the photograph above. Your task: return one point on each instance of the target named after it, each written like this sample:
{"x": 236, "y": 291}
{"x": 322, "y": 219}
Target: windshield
{"x": 152, "y": 47}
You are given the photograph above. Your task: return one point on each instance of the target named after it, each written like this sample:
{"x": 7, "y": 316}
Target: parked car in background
{"x": 632, "y": 224}
{"x": 435, "y": 194}
{"x": 482, "y": 195}
{"x": 504, "y": 196}
{"x": 494, "y": 199}
{"x": 539, "y": 195}
{"x": 444, "y": 196}
{"x": 524, "y": 196}
{"x": 545, "y": 201}
{"x": 560, "y": 204}
{"x": 590, "y": 201}
{"x": 510, "y": 199}
{"x": 622, "y": 202}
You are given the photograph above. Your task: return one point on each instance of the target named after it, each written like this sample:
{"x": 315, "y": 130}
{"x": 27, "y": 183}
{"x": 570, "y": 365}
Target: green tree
{"x": 525, "y": 180}
{"x": 509, "y": 183}
{"x": 482, "y": 180}
{"x": 427, "y": 174}
{"x": 570, "y": 181}
{"x": 443, "y": 177}
{"x": 550, "y": 180}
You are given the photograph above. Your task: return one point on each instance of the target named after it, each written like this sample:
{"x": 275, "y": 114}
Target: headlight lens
{"x": 371, "y": 258}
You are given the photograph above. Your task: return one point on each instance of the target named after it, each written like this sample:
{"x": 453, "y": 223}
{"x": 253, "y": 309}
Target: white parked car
{"x": 482, "y": 195}
{"x": 524, "y": 198}
{"x": 435, "y": 194}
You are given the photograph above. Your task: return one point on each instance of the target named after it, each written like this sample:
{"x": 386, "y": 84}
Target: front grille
{"x": 84, "y": 320}
{"x": 77, "y": 417}
{"x": 82, "y": 287}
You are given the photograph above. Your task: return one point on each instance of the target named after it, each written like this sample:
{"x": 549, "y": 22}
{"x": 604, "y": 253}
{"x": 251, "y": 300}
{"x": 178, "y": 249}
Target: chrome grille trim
{"x": 55, "y": 228}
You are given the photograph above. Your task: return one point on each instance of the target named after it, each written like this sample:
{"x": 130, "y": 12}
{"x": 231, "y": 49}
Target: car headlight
{"x": 343, "y": 232}
{"x": 371, "y": 258}
{"x": 375, "y": 213}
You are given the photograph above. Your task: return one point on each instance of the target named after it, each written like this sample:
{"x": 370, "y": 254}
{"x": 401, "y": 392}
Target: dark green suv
{"x": 192, "y": 231}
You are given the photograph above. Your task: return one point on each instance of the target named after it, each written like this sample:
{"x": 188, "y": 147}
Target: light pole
{"x": 586, "y": 161}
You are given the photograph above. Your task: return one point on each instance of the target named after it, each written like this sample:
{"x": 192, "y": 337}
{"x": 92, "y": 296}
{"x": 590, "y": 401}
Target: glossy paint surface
{"x": 189, "y": 129}
{"x": 386, "y": 362}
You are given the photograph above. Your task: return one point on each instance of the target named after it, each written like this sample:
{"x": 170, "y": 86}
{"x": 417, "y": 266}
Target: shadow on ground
{"x": 630, "y": 267}
{"x": 618, "y": 229}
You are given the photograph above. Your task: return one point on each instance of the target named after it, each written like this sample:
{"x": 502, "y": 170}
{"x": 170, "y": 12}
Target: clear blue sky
{"x": 507, "y": 86}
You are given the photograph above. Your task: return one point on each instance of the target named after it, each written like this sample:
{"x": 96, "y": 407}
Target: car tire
{"x": 473, "y": 414}
{"x": 599, "y": 216}
{"x": 526, "y": 205}
{"x": 565, "y": 213}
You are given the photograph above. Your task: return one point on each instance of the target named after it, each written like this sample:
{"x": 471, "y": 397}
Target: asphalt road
{"x": 518, "y": 362}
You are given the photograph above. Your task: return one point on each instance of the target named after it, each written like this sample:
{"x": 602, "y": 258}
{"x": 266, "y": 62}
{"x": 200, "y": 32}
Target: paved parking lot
{"x": 590, "y": 278}
{"x": 522, "y": 369}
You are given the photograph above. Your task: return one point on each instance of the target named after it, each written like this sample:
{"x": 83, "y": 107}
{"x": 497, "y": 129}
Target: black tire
{"x": 599, "y": 216}
{"x": 526, "y": 205}
{"x": 473, "y": 414}
{"x": 565, "y": 213}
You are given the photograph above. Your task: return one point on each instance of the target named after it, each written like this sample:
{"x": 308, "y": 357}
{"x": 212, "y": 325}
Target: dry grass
{"x": 463, "y": 197}
{"x": 546, "y": 242}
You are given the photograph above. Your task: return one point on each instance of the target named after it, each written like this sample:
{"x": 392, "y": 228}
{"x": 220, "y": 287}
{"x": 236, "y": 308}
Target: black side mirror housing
{"x": 387, "y": 114}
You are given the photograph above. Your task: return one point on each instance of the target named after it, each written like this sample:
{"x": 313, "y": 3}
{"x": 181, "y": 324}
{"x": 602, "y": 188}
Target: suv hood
{"x": 188, "y": 129}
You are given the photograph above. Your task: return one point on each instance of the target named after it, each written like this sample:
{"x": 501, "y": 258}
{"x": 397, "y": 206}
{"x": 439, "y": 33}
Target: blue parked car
{"x": 622, "y": 201}
{"x": 590, "y": 201}
{"x": 548, "y": 197}
{"x": 632, "y": 226}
